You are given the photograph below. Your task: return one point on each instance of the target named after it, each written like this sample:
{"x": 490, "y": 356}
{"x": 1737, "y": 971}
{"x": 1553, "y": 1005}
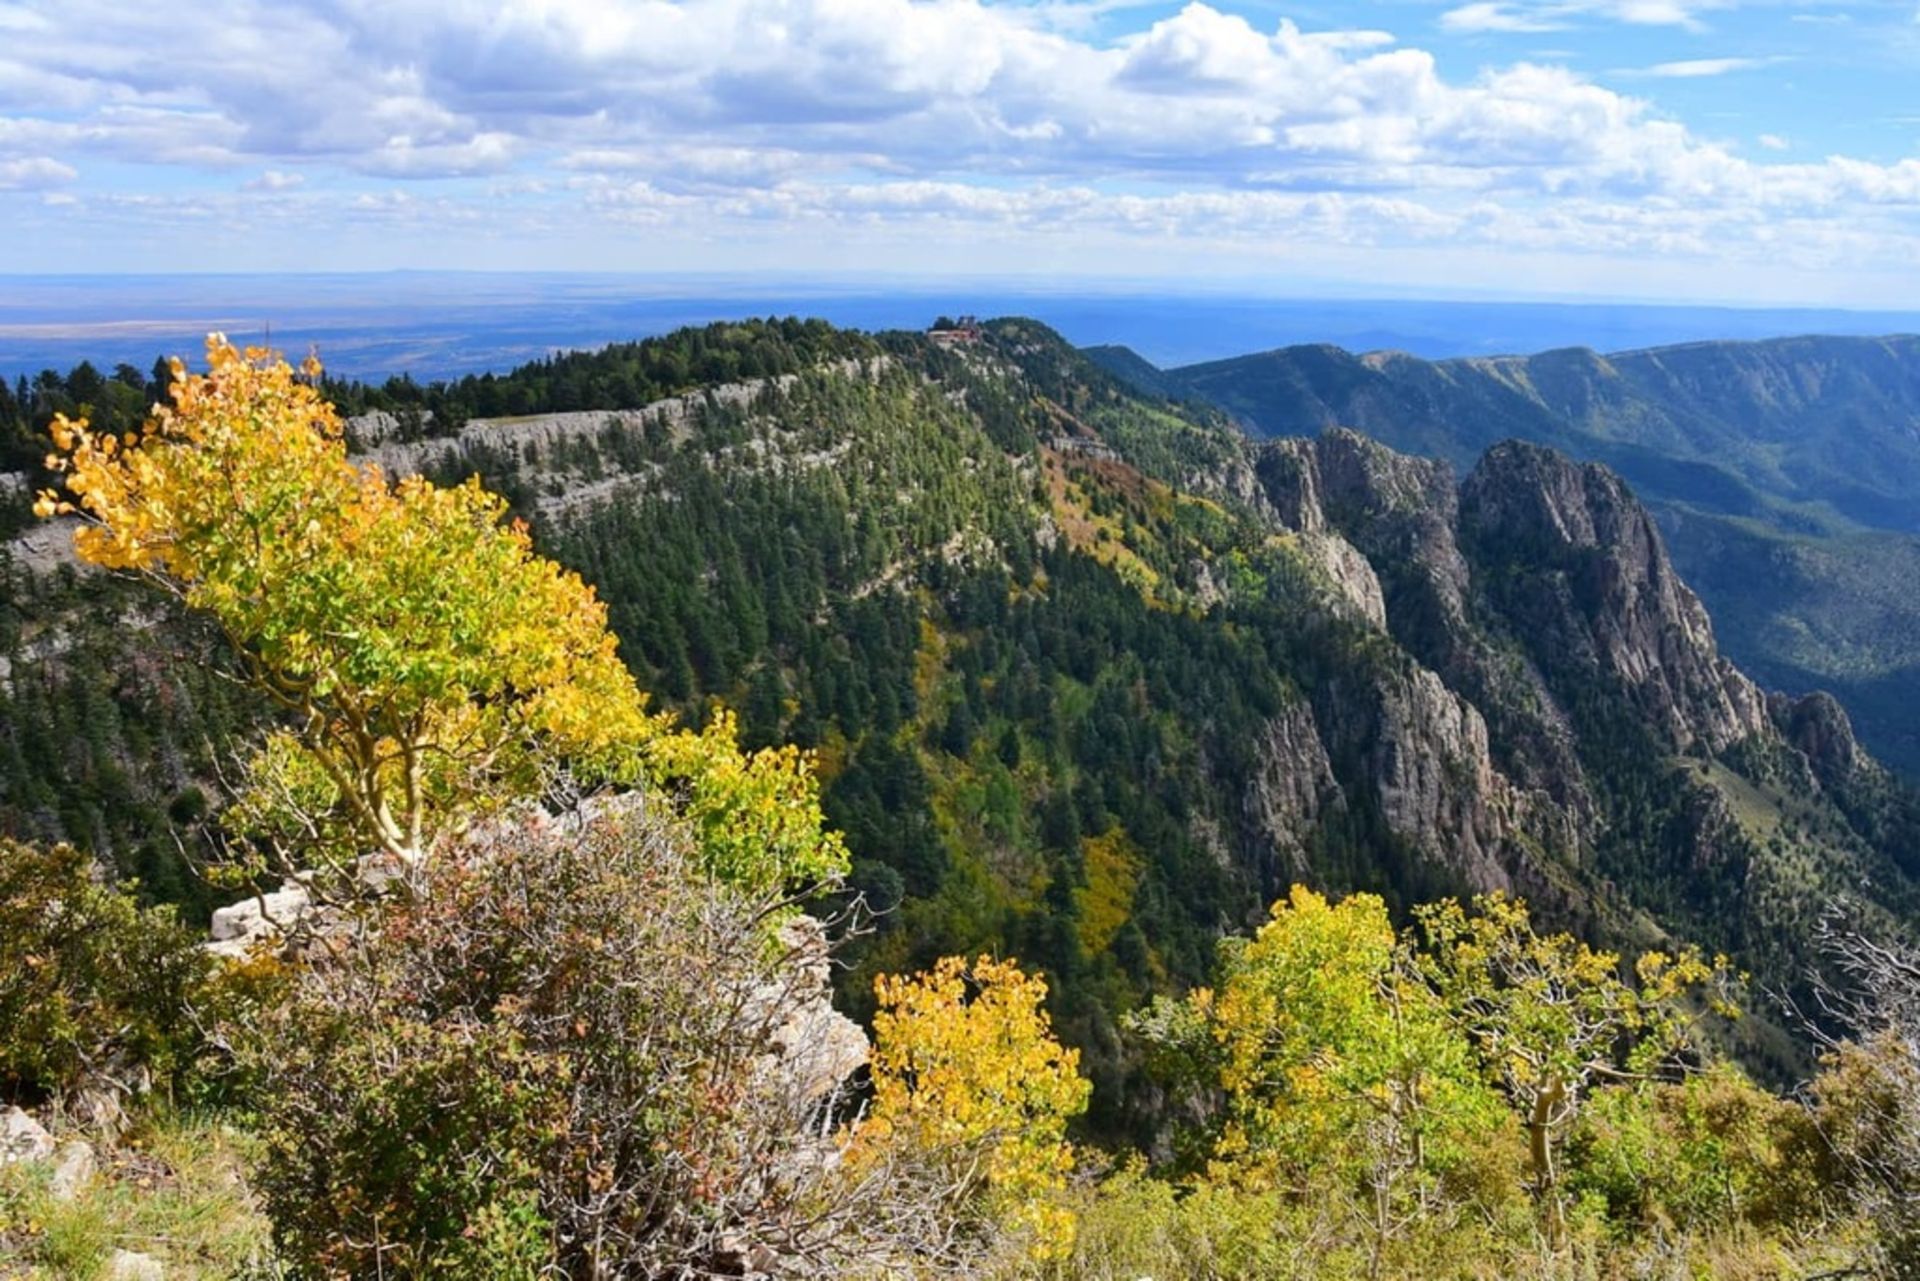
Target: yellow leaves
{"x": 966, "y": 1072}
{"x": 1114, "y": 866}
{"x": 437, "y": 666}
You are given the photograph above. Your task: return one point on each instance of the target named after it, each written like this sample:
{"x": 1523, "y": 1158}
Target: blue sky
{"x": 1701, "y": 150}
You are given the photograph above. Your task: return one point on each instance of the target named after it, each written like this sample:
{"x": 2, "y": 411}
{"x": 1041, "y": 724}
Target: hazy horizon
{"x": 440, "y": 324}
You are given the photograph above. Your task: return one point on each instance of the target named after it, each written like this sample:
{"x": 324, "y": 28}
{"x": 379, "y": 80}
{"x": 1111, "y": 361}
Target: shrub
{"x": 1867, "y": 1115}
{"x": 1341, "y": 1079}
{"x": 1134, "y": 1225}
{"x": 94, "y": 989}
{"x": 560, "y": 1056}
{"x": 1703, "y": 1153}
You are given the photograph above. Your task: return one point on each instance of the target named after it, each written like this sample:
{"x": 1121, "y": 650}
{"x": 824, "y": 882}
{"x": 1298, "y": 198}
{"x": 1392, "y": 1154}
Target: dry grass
{"x": 175, "y": 1189}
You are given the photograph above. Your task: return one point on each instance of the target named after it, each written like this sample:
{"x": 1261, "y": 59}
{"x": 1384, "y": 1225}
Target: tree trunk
{"x": 1546, "y": 1180}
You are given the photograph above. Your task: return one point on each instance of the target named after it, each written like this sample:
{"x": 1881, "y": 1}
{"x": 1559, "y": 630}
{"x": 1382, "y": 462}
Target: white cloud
{"x": 1490, "y": 15}
{"x": 1657, "y": 13}
{"x": 1556, "y": 15}
{"x": 752, "y": 92}
{"x": 35, "y": 173}
{"x": 402, "y": 155}
{"x": 1702, "y": 68}
{"x": 1774, "y": 142}
{"x": 698, "y": 112}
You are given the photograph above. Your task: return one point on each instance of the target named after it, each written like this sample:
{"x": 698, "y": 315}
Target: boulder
{"x": 73, "y": 1167}
{"x": 816, "y": 1048}
{"x": 236, "y": 929}
{"x": 130, "y": 1265}
{"x": 22, "y": 1138}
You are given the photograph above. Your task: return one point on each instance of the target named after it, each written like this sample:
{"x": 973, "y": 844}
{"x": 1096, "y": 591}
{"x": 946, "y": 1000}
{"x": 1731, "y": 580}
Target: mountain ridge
{"x": 1091, "y": 675}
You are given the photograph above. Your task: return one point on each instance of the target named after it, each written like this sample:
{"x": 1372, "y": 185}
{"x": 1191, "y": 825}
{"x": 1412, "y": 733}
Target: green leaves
{"x": 89, "y": 981}
{"x": 1336, "y": 1056}
{"x": 1550, "y": 1018}
{"x": 1354, "y": 1058}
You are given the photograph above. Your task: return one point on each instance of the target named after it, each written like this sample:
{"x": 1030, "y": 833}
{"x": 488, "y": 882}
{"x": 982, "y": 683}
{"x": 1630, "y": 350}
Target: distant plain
{"x": 435, "y": 325}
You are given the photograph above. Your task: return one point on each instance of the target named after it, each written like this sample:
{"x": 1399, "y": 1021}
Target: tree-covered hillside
{"x": 1092, "y": 676}
{"x": 1083, "y": 677}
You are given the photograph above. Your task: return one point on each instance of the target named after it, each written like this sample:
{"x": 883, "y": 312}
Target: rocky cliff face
{"x": 1382, "y": 526}
{"x": 1817, "y": 727}
{"x": 1379, "y": 525}
{"x": 1294, "y": 788}
{"x": 1766, "y": 463}
{"x": 1588, "y": 581}
{"x": 1546, "y": 674}
{"x": 1423, "y": 751}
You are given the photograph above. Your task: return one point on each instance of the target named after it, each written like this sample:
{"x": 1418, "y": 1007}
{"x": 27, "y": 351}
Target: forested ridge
{"x": 1091, "y": 680}
{"x": 1053, "y": 645}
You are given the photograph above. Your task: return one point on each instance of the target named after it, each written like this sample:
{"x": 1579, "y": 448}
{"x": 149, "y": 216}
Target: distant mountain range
{"x": 430, "y": 325}
{"x": 1785, "y": 474}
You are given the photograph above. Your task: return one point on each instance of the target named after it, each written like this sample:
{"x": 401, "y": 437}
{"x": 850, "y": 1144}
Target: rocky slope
{"x": 1782, "y": 472}
{"x": 1569, "y": 728}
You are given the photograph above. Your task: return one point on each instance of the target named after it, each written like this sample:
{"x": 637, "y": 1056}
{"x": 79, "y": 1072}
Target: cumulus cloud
{"x": 656, "y": 112}
{"x": 411, "y": 89}
{"x": 753, "y": 92}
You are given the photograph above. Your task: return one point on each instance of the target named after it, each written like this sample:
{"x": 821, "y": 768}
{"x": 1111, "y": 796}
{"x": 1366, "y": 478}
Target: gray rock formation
{"x": 1602, "y": 591}
{"x": 1294, "y": 787}
{"x": 1534, "y": 584}
{"x": 1817, "y": 726}
{"x": 258, "y": 921}
{"x": 1424, "y": 751}
{"x": 73, "y": 1168}
{"x": 1356, "y": 585}
{"x": 541, "y": 438}
{"x": 22, "y": 1138}
{"x": 815, "y": 1047}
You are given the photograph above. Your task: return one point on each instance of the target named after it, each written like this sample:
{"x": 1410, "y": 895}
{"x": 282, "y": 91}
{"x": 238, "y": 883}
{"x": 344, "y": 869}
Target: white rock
{"x": 237, "y": 928}
{"x": 73, "y": 1166}
{"x": 817, "y": 1047}
{"x": 22, "y": 1138}
{"x": 130, "y": 1265}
